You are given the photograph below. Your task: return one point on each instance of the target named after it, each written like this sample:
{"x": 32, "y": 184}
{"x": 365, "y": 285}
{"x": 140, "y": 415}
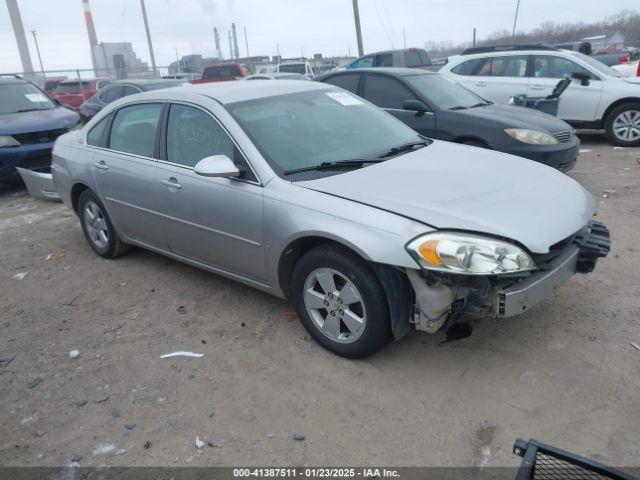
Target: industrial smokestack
{"x": 216, "y": 38}
{"x": 21, "y": 39}
{"x": 230, "y": 44}
{"x": 236, "y": 52}
{"x": 91, "y": 31}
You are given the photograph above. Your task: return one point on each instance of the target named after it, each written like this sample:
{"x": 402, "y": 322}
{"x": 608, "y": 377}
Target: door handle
{"x": 171, "y": 183}
{"x": 480, "y": 84}
{"x": 537, "y": 87}
{"x": 101, "y": 165}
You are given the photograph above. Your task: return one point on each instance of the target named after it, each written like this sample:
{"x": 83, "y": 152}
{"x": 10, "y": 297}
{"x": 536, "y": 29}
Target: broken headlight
{"x": 468, "y": 254}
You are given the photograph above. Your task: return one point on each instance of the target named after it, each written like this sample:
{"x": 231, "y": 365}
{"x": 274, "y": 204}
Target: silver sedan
{"x": 310, "y": 193}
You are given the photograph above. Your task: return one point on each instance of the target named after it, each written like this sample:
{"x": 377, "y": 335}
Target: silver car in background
{"x": 310, "y": 193}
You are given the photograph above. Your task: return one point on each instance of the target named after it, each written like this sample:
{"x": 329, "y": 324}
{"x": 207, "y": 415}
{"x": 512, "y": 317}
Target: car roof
{"x": 394, "y": 71}
{"x": 141, "y": 82}
{"x": 231, "y": 92}
{"x": 12, "y": 80}
{"x": 413, "y": 49}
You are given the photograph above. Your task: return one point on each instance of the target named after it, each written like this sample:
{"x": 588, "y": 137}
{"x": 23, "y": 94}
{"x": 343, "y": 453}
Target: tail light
{"x": 624, "y": 59}
{"x": 638, "y": 71}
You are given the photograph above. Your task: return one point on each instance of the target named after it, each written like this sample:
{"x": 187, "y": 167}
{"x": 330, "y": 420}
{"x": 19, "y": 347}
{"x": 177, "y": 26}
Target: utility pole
{"x": 21, "y": 39}
{"x": 146, "y": 28}
{"x": 178, "y": 62}
{"x": 474, "y": 37}
{"x": 246, "y": 42}
{"x": 404, "y": 37}
{"x": 356, "y": 16}
{"x": 515, "y": 20}
{"x": 35, "y": 39}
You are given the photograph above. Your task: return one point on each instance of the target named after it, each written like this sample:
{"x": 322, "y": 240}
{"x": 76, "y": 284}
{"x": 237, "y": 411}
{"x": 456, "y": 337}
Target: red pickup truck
{"x": 223, "y": 72}
{"x": 74, "y": 92}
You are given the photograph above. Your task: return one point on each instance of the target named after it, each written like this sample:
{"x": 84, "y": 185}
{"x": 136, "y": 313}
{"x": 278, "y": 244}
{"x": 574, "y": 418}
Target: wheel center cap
{"x": 333, "y": 304}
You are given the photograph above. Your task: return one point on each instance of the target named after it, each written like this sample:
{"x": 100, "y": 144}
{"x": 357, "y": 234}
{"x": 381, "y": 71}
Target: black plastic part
{"x": 396, "y": 286}
{"x": 541, "y": 461}
{"x": 594, "y": 244}
{"x": 478, "y": 293}
{"x": 560, "y": 87}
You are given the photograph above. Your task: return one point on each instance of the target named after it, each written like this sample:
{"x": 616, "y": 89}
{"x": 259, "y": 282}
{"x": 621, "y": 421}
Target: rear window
{"x": 222, "y": 71}
{"x": 293, "y": 68}
{"x": 416, "y": 58}
{"x": 72, "y": 87}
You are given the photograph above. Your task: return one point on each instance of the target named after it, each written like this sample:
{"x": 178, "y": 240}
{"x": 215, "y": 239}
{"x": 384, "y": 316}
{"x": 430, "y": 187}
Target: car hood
{"x": 635, "y": 80}
{"x": 449, "y": 186}
{"x": 37, "y": 121}
{"x": 516, "y": 117}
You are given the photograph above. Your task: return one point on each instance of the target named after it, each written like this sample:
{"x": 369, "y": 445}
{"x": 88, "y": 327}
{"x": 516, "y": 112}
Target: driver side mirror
{"x": 583, "y": 77}
{"x": 415, "y": 106}
{"x": 217, "y": 166}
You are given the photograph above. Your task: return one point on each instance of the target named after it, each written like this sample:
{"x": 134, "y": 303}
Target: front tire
{"x": 97, "y": 227}
{"x": 341, "y": 302}
{"x": 622, "y": 125}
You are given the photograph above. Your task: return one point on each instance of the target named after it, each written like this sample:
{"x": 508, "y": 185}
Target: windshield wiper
{"x": 458, "y": 107}
{"x": 337, "y": 165}
{"x": 404, "y": 147}
{"x": 480, "y": 104}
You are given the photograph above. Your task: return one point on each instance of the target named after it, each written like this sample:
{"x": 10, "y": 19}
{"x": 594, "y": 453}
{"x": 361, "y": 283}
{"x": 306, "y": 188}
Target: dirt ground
{"x": 564, "y": 373}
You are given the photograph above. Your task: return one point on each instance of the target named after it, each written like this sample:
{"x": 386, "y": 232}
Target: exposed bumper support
{"x": 526, "y": 293}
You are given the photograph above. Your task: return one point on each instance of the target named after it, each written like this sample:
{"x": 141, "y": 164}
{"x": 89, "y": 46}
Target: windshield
{"x": 444, "y": 93}
{"x": 293, "y": 68}
{"x": 596, "y": 64}
{"x": 72, "y": 87}
{"x": 18, "y": 97}
{"x": 305, "y": 129}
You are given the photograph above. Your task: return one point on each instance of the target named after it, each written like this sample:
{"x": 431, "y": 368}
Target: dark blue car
{"x": 29, "y": 124}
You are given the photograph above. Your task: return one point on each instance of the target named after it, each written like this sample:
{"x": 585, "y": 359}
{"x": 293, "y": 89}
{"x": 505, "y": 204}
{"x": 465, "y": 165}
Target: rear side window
{"x": 134, "y": 129}
{"x": 129, "y": 90}
{"x": 507, "y": 66}
{"x": 386, "y": 92}
{"x": 384, "y": 60}
{"x": 94, "y": 137}
{"x": 413, "y": 58}
{"x": 112, "y": 93}
{"x": 469, "y": 67}
{"x": 348, "y": 82}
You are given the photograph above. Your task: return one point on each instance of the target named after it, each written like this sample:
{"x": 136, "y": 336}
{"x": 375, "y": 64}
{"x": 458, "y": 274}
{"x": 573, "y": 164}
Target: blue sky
{"x": 310, "y": 26}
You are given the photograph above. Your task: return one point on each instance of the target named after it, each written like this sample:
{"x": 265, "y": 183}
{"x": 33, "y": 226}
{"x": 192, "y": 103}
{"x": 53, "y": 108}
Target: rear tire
{"x": 622, "y": 125}
{"x": 341, "y": 302}
{"x": 97, "y": 227}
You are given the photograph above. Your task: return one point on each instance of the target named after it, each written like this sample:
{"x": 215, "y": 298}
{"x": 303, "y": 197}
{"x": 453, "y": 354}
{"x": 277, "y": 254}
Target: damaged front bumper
{"x": 436, "y": 297}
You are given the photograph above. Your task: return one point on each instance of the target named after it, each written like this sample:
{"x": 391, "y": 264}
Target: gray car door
{"x": 215, "y": 221}
{"x": 124, "y": 169}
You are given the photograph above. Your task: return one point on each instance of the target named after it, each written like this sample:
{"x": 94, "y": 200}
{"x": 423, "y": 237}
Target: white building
{"x": 614, "y": 41}
{"x": 119, "y": 60}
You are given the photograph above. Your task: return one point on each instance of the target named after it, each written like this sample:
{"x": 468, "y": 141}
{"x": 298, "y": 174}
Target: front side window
{"x": 304, "y": 129}
{"x": 386, "y": 92}
{"x": 547, "y": 66}
{"x": 94, "y": 137}
{"x": 347, "y": 81}
{"x": 365, "y": 62}
{"x": 505, "y": 66}
{"x": 444, "y": 93}
{"x": 193, "y": 135}
{"x": 134, "y": 129}
{"x": 129, "y": 90}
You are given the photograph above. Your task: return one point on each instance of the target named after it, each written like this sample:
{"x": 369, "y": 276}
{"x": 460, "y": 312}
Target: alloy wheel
{"x": 96, "y": 225}
{"x": 335, "y": 305}
{"x": 626, "y": 126}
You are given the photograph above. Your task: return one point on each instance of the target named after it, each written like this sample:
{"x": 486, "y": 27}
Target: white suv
{"x": 597, "y": 98}
{"x": 303, "y": 68}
